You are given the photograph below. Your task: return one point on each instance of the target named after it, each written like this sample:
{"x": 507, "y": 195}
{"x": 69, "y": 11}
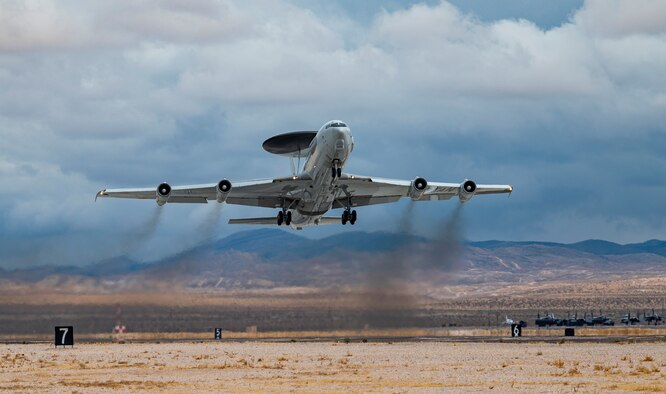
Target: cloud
{"x": 445, "y": 53}
{"x": 175, "y": 21}
{"x": 38, "y": 25}
{"x": 617, "y": 18}
{"x": 128, "y": 93}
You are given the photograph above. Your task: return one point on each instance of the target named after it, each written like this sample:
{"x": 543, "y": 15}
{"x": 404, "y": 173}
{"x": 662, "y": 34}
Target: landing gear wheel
{"x": 334, "y": 171}
{"x": 339, "y": 172}
{"x": 280, "y": 218}
{"x": 352, "y": 218}
{"x": 345, "y": 217}
{"x": 287, "y": 219}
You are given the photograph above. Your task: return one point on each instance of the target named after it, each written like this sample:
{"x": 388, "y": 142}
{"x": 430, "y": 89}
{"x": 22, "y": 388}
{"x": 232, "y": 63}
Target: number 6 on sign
{"x": 64, "y": 336}
{"x": 516, "y": 330}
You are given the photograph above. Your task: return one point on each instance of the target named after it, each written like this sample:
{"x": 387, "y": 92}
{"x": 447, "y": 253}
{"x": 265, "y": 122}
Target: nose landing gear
{"x": 336, "y": 170}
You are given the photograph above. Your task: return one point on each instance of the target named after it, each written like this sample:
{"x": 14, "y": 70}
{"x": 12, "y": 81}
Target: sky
{"x": 564, "y": 100}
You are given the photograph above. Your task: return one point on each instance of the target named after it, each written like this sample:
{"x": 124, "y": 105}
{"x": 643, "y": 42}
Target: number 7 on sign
{"x": 64, "y": 331}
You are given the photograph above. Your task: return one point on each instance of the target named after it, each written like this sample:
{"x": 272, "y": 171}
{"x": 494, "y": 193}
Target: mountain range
{"x": 268, "y": 258}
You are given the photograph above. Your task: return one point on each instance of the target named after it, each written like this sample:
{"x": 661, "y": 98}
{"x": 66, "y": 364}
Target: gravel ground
{"x": 335, "y": 367}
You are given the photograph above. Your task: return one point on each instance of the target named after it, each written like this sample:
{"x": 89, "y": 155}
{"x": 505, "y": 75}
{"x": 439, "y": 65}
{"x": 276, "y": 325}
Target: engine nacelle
{"x": 222, "y": 189}
{"x": 467, "y": 190}
{"x": 163, "y": 193}
{"x": 417, "y": 188}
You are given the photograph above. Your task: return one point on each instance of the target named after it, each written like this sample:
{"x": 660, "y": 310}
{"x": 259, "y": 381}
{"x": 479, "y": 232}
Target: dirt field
{"x": 335, "y": 367}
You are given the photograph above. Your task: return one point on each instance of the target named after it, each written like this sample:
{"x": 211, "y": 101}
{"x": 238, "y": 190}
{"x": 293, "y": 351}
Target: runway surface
{"x": 414, "y": 366}
{"x": 643, "y": 333}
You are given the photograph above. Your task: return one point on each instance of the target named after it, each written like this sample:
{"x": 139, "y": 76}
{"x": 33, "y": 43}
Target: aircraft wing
{"x": 365, "y": 190}
{"x": 269, "y": 193}
{"x": 284, "y": 192}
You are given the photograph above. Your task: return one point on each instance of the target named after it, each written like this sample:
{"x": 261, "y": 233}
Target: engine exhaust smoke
{"x": 391, "y": 275}
{"x": 385, "y": 294}
{"x": 210, "y": 223}
{"x": 446, "y": 250}
{"x": 143, "y": 233}
{"x": 389, "y": 292}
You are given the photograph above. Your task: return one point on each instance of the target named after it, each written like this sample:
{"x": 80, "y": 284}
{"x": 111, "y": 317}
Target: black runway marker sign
{"x": 516, "y": 330}
{"x": 218, "y": 333}
{"x": 64, "y": 336}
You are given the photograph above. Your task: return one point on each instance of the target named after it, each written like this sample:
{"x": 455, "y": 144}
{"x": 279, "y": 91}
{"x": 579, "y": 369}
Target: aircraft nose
{"x": 341, "y": 133}
{"x": 342, "y": 138}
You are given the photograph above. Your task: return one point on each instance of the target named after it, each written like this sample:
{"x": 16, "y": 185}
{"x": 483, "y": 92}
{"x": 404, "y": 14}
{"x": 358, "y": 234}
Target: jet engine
{"x": 222, "y": 190}
{"x": 163, "y": 193}
{"x": 417, "y": 188}
{"x": 467, "y": 190}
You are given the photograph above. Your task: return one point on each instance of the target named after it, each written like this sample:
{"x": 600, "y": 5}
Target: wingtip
{"x": 100, "y": 193}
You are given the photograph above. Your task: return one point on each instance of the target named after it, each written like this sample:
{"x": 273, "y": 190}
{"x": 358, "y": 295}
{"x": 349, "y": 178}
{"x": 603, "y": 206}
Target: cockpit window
{"x": 336, "y": 124}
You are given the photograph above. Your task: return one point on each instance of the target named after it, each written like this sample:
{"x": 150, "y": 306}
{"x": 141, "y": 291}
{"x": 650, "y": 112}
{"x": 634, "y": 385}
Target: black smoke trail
{"x": 138, "y": 238}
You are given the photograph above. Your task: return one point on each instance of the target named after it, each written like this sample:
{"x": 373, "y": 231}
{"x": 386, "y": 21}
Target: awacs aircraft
{"x": 321, "y": 185}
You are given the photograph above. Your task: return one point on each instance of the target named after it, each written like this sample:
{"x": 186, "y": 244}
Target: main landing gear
{"x": 284, "y": 217}
{"x": 336, "y": 170}
{"x": 349, "y": 216}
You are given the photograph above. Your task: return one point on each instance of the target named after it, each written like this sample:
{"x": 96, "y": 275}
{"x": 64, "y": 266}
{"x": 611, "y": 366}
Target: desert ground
{"x": 332, "y": 340}
{"x": 422, "y": 366}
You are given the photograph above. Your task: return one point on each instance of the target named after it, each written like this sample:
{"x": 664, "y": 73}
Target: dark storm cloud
{"x": 571, "y": 113}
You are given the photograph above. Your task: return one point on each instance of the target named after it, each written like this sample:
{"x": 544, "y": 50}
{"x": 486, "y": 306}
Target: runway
{"x": 643, "y": 333}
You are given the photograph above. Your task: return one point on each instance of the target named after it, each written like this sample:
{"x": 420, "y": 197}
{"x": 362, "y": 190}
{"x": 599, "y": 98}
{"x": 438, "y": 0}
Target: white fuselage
{"x": 330, "y": 148}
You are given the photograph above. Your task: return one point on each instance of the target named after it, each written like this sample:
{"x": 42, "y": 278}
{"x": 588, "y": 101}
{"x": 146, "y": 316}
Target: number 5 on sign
{"x": 64, "y": 336}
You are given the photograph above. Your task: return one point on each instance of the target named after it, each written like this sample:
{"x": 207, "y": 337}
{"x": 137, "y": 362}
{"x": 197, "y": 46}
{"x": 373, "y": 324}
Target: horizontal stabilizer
{"x": 329, "y": 220}
{"x": 273, "y": 221}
